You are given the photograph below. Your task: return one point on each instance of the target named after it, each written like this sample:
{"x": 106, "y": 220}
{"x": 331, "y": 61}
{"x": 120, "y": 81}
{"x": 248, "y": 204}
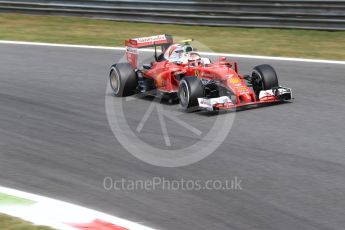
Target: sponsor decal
{"x": 151, "y": 39}
{"x": 132, "y": 50}
{"x": 207, "y": 74}
{"x": 203, "y": 101}
{"x": 243, "y": 89}
{"x": 235, "y": 80}
{"x": 209, "y": 103}
{"x": 267, "y": 93}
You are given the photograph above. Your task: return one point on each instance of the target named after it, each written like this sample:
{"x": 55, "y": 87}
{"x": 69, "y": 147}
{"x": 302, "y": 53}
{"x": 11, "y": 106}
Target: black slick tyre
{"x": 123, "y": 79}
{"x": 190, "y": 89}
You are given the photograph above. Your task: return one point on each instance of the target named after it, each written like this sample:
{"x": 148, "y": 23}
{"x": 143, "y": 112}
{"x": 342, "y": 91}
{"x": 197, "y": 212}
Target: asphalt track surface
{"x": 55, "y": 141}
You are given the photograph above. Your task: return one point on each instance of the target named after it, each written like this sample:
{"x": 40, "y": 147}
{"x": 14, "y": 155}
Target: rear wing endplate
{"x": 132, "y": 46}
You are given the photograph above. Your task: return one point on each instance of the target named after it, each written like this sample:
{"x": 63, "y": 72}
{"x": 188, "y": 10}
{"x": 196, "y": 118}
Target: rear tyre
{"x": 264, "y": 77}
{"x": 190, "y": 89}
{"x": 123, "y": 79}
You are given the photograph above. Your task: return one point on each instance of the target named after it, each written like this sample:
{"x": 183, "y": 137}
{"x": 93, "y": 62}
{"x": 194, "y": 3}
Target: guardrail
{"x": 303, "y": 14}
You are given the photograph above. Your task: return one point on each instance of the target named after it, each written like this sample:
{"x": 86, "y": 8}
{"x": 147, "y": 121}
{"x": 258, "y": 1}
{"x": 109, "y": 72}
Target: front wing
{"x": 279, "y": 94}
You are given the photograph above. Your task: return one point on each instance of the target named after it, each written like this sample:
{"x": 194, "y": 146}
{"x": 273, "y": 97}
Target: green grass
{"x": 11, "y": 223}
{"x": 12, "y": 200}
{"x": 273, "y": 42}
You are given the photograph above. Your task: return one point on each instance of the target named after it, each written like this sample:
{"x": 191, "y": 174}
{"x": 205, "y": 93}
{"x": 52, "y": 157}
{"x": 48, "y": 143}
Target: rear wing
{"x": 132, "y": 46}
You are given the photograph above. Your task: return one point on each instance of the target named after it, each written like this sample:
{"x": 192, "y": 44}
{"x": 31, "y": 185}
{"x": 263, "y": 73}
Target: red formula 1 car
{"x": 179, "y": 72}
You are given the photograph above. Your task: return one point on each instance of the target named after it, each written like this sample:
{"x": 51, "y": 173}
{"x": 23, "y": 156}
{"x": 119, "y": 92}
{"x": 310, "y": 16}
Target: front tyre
{"x": 190, "y": 89}
{"x": 264, "y": 77}
{"x": 123, "y": 79}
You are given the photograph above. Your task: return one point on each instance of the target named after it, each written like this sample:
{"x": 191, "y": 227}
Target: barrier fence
{"x": 303, "y": 14}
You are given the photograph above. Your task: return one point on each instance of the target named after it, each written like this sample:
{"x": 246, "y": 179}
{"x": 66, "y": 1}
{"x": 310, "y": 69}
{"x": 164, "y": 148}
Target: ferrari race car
{"x": 180, "y": 73}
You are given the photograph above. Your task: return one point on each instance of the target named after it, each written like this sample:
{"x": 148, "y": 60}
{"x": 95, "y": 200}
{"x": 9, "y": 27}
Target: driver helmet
{"x": 178, "y": 53}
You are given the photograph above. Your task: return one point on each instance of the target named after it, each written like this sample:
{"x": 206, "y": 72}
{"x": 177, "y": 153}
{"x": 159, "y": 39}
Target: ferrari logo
{"x": 197, "y": 73}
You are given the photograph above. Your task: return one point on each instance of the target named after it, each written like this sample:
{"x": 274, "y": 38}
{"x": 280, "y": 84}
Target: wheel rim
{"x": 114, "y": 81}
{"x": 258, "y": 84}
{"x": 183, "y": 95}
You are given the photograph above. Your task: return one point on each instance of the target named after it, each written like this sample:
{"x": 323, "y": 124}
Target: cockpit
{"x": 184, "y": 54}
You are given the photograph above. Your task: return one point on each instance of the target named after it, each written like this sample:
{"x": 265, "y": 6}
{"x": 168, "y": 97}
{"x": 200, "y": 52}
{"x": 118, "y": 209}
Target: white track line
{"x": 60, "y": 45}
{"x": 204, "y": 53}
{"x": 82, "y": 211}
